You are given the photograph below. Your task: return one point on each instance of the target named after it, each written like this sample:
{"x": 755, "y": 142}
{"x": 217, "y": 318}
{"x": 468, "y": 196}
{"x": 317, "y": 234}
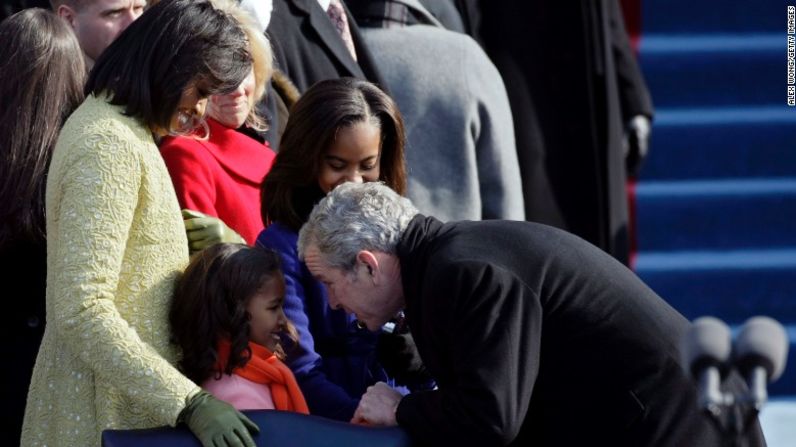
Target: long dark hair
{"x": 290, "y": 189}
{"x": 41, "y": 84}
{"x": 210, "y": 304}
{"x": 175, "y": 42}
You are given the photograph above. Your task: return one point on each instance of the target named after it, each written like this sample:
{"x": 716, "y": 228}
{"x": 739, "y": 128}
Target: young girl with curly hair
{"x": 228, "y": 320}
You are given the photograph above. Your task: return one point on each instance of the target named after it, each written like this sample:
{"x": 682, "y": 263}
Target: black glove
{"x": 398, "y": 356}
{"x": 636, "y": 144}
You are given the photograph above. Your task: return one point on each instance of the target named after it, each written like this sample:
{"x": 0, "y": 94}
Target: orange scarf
{"x": 264, "y": 367}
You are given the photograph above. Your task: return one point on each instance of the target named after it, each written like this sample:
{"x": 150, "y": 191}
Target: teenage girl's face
{"x": 352, "y": 157}
{"x": 267, "y": 317}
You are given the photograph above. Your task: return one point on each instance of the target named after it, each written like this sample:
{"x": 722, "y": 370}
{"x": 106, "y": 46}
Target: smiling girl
{"x": 341, "y": 130}
{"x": 228, "y": 320}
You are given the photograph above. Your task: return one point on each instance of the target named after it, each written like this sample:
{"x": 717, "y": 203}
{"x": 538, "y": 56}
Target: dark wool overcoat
{"x": 573, "y": 82}
{"x": 536, "y": 337}
{"x": 308, "y": 48}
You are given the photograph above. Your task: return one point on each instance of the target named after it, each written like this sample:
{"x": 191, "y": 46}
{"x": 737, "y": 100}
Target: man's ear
{"x": 67, "y": 13}
{"x": 369, "y": 261}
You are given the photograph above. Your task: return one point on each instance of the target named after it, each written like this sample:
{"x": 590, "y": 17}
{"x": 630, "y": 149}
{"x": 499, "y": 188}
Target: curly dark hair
{"x": 290, "y": 189}
{"x": 210, "y": 305}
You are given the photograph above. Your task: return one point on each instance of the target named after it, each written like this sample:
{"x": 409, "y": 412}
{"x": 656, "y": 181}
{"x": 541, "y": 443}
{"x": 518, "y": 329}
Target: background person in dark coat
{"x": 307, "y": 49}
{"x": 535, "y": 337}
{"x": 460, "y": 151}
{"x": 576, "y": 91}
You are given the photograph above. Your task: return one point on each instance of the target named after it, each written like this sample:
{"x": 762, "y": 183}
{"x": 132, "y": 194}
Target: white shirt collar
{"x": 324, "y": 4}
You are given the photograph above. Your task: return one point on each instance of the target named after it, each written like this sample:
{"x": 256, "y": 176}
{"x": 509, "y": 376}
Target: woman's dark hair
{"x": 210, "y": 305}
{"x": 42, "y": 84}
{"x": 174, "y": 43}
{"x": 290, "y": 189}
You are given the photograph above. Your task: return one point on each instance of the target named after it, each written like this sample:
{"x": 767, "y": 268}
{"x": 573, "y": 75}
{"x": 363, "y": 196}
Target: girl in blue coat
{"x": 341, "y": 130}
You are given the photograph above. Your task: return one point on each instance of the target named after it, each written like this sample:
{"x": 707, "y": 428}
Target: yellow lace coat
{"x": 115, "y": 245}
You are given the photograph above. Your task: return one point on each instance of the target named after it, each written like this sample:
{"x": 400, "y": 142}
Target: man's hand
{"x": 204, "y": 231}
{"x": 636, "y": 144}
{"x": 377, "y": 406}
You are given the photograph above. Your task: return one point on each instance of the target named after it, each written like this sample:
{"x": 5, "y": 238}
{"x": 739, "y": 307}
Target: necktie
{"x": 337, "y": 15}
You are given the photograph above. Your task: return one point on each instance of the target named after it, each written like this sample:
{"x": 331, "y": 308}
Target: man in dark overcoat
{"x": 576, "y": 93}
{"x": 308, "y": 48}
{"x": 535, "y": 337}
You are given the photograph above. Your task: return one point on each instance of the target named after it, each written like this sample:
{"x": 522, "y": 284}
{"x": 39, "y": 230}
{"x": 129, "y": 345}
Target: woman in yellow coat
{"x": 116, "y": 240}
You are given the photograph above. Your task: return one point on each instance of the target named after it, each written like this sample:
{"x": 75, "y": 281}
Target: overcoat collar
{"x": 330, "y": 37}
{"x": 413, "y": 252}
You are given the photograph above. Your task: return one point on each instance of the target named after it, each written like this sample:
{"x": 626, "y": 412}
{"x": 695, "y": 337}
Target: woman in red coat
{"x": 218, "y": 173}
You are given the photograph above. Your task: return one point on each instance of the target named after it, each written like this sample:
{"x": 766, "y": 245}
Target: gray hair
{"x": 354, "y": 217}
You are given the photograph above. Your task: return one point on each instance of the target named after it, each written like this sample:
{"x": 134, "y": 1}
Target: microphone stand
{"x": 733, "y": 415}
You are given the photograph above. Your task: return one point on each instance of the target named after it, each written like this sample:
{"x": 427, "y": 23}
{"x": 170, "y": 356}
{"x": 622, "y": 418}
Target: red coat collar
{"x": 238, "y": 153}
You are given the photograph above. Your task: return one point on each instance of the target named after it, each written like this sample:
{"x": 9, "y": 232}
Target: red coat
{"x": 221, "y": 176}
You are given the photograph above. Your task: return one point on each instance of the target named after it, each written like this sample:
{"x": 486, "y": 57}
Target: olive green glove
{"x": 204, "y": 231}
{"x": 216, "y": 423}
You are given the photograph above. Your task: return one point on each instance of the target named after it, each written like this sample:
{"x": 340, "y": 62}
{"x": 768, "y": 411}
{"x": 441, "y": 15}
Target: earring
{"x": 189, "y": 125}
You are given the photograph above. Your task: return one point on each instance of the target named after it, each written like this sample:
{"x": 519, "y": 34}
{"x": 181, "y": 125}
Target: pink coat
{"x": 243, "y": 394}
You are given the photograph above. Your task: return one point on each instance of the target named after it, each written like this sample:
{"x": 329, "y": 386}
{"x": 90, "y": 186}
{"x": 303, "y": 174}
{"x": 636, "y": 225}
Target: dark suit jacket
{"x": 309, "y": 49}
{"x": 536, "y": 337}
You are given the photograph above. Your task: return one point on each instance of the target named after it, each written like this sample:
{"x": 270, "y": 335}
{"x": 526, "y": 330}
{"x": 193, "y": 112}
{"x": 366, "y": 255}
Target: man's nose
{"x": 333, "y": 302}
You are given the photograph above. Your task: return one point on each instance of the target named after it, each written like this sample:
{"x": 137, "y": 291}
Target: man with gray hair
{"x": 533, "y": 335}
